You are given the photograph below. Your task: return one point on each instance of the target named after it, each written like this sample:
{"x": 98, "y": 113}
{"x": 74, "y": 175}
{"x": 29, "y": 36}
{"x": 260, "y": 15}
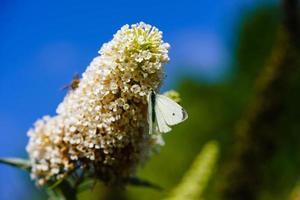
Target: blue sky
{"x": 44, "y": 43}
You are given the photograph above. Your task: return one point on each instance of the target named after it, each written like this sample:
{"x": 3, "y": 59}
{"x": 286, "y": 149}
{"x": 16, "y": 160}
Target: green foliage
{"x": 295, "y": 194}
{"x": 16, "y": 162}
{"x": 135, "y": 181}
{"x": 172, "y": 94}
{"x": 196, "y": 179}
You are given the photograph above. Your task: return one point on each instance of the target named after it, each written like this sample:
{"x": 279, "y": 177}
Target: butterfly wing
{"x": 163, "y": 113}
{"x": 156, "y": 121}
{"x": 160, "y": 123}
{"x": 170, "y": 112}
{"x": 150, "y": 113}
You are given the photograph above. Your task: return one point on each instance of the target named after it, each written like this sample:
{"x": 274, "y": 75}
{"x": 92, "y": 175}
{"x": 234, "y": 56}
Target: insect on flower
{"x": 73, "y": 84}
{"x": 163, "y": 112}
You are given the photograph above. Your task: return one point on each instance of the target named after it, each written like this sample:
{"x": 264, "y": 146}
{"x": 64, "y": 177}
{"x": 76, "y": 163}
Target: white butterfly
{"x": 163, "y": 112}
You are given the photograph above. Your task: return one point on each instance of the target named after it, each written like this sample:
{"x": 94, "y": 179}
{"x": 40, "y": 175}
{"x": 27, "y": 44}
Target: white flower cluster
{"x": 103, "y": 122}
{"x": 48, "y": 152}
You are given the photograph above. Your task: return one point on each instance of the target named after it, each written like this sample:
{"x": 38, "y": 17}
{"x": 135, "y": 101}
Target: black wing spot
{"x": 173, "y": 114}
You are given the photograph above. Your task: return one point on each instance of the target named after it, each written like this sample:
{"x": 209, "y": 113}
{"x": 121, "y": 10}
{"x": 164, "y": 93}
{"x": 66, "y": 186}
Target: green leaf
{"x": 62, "y": 191}
{"x": 135, "y": 181}
{"x": 196, "y": 178}
{"x": 55, "y": 194}
{"x": 85, "y": 185}
{"x": 17, "y": 162}
{"x": 56, "y": 183}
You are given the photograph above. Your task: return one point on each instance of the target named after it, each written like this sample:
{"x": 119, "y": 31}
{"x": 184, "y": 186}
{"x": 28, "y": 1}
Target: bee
{"x": 73, "y": 84}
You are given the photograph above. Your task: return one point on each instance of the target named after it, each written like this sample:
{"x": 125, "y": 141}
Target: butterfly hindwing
{"x": 161, "y": 124}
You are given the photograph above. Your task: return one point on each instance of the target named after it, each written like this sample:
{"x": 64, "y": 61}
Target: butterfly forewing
{"x": 172, "y": 113}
